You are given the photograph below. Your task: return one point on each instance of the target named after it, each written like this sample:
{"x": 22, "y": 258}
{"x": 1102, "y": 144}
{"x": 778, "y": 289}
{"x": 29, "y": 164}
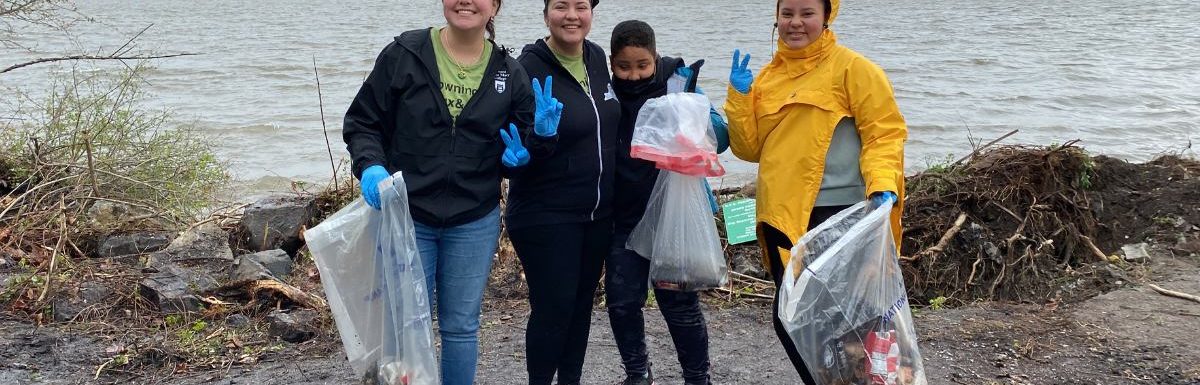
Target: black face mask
{"x": 629, "y": 90}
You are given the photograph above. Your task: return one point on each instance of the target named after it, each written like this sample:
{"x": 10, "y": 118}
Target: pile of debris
{"x": 1040, "y": 224}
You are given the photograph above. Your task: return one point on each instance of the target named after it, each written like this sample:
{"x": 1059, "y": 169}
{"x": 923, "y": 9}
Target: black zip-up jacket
{"x": 452, "y": 168}
{"x": 574, "y": 184}
{"x": 635, "y": 178}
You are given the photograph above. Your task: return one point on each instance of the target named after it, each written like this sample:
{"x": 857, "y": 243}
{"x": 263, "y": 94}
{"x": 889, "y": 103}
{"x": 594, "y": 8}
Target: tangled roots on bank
{"x": 1022, "y": 223}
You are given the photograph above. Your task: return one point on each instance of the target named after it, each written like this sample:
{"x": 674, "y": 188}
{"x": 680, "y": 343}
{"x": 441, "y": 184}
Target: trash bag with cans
{"x": 843, "y": 302}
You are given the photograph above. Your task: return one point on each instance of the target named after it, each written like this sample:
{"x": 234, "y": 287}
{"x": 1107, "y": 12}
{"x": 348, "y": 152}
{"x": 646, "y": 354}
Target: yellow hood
{"x": 835, "y": 5}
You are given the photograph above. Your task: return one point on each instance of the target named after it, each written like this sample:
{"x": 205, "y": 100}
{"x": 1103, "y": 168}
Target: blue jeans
{"x": 457, "y": 261}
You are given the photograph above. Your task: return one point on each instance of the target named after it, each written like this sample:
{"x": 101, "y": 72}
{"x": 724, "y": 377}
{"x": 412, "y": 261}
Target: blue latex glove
{"x": 370, "y": 184}
{"x": 740, "y": 76}
{"x": 879, "y": 198}
{"x": 515, "y": 154}
{"x": 548, "y": 109}
{"x": 712, "y": 199}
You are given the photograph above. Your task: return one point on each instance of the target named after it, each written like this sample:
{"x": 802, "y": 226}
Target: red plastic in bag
{"x": 674, "y": 132}
{"x": 883, "y": 357}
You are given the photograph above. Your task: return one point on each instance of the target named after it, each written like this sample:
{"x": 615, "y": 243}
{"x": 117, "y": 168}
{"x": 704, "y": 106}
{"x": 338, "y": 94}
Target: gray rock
{"x": 296, "y": 326}
{"x": 276, "y": 222}
{"x": 176, "y": 289}
{"x": 204, "y": 249}
{"x": 246, "y": 269}
{"x": 1135, "y": 252}
{"x": 237, "y": 320}
{"x": 133, "y": 243}
{"x": 66, "y": 310}
{"x": 277, "y": 261}
{"x": 90, "y": 294}
{"x": 94, "y": 292}
{"x": 105, "y": 214}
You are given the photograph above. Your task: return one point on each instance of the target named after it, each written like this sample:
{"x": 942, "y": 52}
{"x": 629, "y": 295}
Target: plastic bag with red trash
{"x": 844, "y": 304}
{"x": 674, "y": 132}
{"x": 372, "y": 275}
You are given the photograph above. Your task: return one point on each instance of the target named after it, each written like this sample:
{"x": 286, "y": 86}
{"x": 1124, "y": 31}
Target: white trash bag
{"x": 674, "y": 132}
{"x": 372, "y": 274}
{"x": 678, "y": 235}
{"x": 844, "y": 304}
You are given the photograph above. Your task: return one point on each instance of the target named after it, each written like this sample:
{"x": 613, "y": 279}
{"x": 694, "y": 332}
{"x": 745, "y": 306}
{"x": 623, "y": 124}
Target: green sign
{"x": 739, "y": 221}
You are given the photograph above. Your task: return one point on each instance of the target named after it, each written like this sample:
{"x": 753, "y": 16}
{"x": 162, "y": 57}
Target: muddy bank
{"x": 1130, "y": 335}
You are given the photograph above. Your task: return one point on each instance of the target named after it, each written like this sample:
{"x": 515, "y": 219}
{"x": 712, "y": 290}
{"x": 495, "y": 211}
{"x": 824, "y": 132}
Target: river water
{"x": 1123, "y": 77}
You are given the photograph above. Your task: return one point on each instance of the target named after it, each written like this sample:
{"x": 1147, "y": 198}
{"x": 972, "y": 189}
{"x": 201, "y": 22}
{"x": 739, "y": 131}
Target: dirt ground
{"x": 1131, "y": 335}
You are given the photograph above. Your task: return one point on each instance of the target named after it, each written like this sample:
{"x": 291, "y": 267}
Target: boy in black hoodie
{"x": 639, "y": 74}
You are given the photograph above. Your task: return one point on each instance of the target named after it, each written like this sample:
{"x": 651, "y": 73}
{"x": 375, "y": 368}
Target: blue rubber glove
{"x": 740, "y": 76}
{"x": 879, "y": 198}
{"x": 548, "y": 109}
{"x": 712, "y": 199}
{"x": 370, "y": 184}
{"x": 515, "y": 154}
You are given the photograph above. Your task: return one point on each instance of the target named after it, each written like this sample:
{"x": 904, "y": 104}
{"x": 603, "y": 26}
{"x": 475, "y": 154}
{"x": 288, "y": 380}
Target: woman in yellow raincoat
{"x": 822, "y": 123}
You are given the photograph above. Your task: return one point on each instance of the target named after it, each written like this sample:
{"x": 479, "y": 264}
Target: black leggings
{"x": 773, "y": 240}
{"x": 562, "y": 265}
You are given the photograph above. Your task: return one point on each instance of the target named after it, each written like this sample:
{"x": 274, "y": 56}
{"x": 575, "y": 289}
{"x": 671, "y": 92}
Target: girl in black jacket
{"x": 559, "y": 209}
{"x": 451, "y": 110}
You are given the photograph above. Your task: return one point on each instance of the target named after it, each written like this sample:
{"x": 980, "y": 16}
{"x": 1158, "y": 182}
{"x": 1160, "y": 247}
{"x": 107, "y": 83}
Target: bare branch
{"x": 92, "y": 57}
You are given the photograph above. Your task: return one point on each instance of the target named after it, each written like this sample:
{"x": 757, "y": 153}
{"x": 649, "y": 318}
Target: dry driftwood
{"x": 1172, "y": 293}
{"x": 942, "y": 243}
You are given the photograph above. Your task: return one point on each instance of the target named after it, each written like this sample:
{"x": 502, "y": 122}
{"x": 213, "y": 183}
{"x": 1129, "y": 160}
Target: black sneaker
{"x": 645, "y": 379}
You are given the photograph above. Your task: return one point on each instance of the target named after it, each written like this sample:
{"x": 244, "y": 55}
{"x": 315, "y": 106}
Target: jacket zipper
{"x": 437, "y": 96}
{"x": 596, "y": 111}
{"x": 599, "y": 151}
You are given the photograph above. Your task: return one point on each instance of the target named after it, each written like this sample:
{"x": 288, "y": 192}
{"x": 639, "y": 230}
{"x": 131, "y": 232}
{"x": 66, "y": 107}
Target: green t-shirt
{"x": 459, "y": 83}
{"x": 574, "y": 65}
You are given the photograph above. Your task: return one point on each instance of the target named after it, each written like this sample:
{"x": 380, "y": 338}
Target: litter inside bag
{"x": 678, "y": 235}
{"x": 372, "y": 275}
{"x": 674, "y": 132}
{"x": 844, "y": 304}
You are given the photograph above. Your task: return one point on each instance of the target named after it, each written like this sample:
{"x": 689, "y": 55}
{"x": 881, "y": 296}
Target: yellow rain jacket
{"x": 786, "y": 123}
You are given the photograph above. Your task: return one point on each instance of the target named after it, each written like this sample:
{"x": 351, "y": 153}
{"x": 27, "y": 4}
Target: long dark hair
{"x": 491, "y": 24}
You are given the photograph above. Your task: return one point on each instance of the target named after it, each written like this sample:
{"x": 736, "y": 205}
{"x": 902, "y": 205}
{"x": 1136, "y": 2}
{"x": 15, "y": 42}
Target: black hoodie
{"x": 636, "y": 177}
{"x": 452, "y": 167}
{"x": 574, "y": 183}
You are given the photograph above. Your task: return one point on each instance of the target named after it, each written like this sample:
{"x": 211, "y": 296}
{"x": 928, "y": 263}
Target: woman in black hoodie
{"x": 559, "y": 208}
{"x": 450, "y": 109}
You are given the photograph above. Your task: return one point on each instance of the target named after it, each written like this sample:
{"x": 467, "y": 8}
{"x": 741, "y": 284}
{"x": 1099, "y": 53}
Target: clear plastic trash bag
{"x": 844, "y": 304}
{"x": 372, "y": 275}
{"x": 678, "y": 235}
{"x": 674, "y": 132}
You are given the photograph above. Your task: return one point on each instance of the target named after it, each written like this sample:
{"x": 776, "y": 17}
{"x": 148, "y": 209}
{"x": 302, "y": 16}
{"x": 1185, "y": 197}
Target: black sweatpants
{"x": 774, "y": 240}
{"x": 562, "y": 263}
{"x": 625, "y": 287}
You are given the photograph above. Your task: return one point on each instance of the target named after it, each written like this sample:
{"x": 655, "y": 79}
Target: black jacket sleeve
{"x": 369, "y": 113}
